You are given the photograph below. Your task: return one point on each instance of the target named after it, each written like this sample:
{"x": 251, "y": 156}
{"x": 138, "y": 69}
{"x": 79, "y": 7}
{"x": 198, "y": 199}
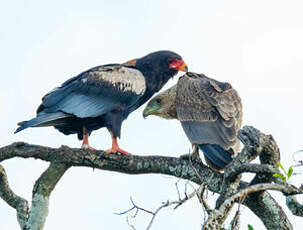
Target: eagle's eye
{"x": 158, "y": 100}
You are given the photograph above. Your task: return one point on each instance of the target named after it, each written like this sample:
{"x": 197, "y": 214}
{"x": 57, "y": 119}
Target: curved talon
{"x": 117, "y": 150}
{"x": 115, "y": 147}
{"x": 86, "y": 146}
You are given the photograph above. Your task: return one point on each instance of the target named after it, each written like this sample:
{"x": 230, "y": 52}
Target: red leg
{"x": 115, "y": 147}
{"x": 85, "y": 144}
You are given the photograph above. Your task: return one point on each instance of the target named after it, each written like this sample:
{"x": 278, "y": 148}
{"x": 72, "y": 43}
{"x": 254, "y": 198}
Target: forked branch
{"x": 263, "y": 205}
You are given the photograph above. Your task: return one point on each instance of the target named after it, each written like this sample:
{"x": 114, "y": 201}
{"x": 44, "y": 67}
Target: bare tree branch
{"x": 164, "y": 205}
{"x": 221, "y": 213}
{"x": 41, "y": 192}
{"x": 203, "y": 201}
{"x": 17, "y": 202}
{"x": 251, "y": 138}
{"x": 251, "y": 168}
{"x": 270, "y": 155}
{"x": 33, "y": 218}
{"x": 294, "y": 206}
{"x": 235, "y": 222}
{"x": 263, "y": 205}
{"x": 257, "y": 188}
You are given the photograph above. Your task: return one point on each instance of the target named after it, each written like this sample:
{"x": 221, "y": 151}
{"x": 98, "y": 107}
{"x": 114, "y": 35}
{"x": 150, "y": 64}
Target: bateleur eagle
{"x": 104, "y": 96}
{"x": 210, "y": 113}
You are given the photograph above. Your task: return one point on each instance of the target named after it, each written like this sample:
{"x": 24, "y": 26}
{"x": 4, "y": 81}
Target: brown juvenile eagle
{"x": 104, "y": 96}
{"x": 210, "y": 113}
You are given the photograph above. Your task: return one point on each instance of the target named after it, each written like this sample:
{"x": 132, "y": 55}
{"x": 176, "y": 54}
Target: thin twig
{"x": 155, "y": 213}
{"x": 195, "y": 170}
{"x": 129, "y": 224}
{"x": 177, "y": 188}
{"x": 203, "y": 201}
{"x": 134, "y": 207}
{"x": 164, "y": 204}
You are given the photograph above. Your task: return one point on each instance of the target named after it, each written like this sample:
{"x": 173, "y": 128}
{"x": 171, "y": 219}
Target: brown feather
{"x": 130, "y": 63}
{"x": 214, "y": 108}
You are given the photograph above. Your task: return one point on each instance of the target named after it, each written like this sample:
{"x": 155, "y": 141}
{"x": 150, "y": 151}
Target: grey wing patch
{"x": 201, "y": 132}
{"x": 83, "y": 105}
{"x": 96, "y": 92}
{"x": 120, "y": 77}
{"x": 209, "y": 133}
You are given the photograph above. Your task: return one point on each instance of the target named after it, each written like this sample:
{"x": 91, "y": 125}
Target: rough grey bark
{"x": 13, "y": 200}
{"x": 256, "y": 143}
{"x": 294, "y": 206}
{"x": 33, "y": 218}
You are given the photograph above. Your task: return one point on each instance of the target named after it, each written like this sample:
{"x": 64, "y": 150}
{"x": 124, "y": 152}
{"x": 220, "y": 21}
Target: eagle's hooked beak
{"x": 183, "y": 67}
{"x": 150, "y": 109}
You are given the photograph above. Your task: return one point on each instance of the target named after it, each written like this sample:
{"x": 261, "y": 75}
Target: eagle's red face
{"x": 177, "y": 64}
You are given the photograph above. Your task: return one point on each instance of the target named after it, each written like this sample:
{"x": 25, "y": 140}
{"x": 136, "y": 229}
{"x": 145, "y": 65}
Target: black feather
{"x": 103, "y": 96}
{"x": 46, "y": 119}
{"x": 216, "y": 156}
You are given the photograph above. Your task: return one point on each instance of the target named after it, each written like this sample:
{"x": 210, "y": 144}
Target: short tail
{"x": 45, "y": 119}
{"x": 215, "y": 156}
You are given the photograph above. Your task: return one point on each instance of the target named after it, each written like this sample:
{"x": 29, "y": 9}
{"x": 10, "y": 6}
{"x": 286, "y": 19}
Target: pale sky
{"x": 254, "y": 45}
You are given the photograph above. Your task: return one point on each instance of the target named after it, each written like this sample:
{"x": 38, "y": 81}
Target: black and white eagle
{"x": 104, "y": 96}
